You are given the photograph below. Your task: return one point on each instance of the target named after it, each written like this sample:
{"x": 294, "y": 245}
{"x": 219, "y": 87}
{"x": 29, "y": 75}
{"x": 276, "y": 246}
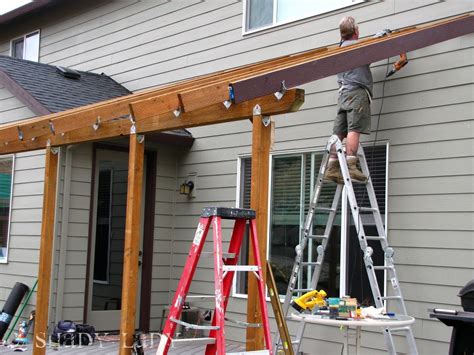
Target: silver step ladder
{"x": 357, "y": 214}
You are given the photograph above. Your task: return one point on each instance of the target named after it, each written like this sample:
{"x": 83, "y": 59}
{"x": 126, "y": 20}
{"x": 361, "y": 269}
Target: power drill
{"x": 309, "y": 300}
{"x": 399, "y": 64}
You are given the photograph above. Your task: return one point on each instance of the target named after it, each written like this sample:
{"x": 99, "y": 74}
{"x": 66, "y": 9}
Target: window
{"x": 6, "y": 185}
{"x": 26, "y": 47}
{"x": 293, "y": 178}
{"x": 261, "y": 14}
{"x": 103, "y": 226}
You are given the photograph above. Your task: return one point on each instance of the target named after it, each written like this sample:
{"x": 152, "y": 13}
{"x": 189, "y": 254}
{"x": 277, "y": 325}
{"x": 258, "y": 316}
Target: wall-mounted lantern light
{"x": 186, "y": 187}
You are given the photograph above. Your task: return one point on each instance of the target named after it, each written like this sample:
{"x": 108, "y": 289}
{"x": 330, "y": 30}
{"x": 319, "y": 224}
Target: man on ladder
{"x": 353, "y": 108}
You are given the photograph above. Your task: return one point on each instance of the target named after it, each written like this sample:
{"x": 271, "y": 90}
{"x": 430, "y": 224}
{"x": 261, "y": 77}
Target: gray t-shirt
{"x": 357, "y": 77}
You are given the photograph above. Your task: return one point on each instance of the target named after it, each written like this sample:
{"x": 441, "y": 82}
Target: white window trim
{"x": 24, "y": 41}
{"x": 245, "y": 31}
{"x": 5, "y": 259}
{"x": 344, "y": 236}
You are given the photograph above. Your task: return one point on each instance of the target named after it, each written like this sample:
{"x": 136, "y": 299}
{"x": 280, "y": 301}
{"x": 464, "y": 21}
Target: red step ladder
{"x": 225, "y": 266}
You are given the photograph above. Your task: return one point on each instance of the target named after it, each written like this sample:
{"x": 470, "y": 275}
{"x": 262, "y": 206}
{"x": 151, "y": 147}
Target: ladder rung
{"x": 255, "y": 352}
{"x": 400, "y": 329}
{"x": 240, "y": 268}
{"x": 198, "y": 297}
{"x": 384, "y": 267}
{"x": 326, "y": 209}
{"x": 390, "y": 298}
{"x": 368, "y": 209}
{"x": 210, "y": 254}
{"x": 194, "y": 326}
{"x": 314, "y": 236}
{"x": 301, "y": 290}
{"x": 310, "y": 263}
{"x": 244, "y": 324}
{"x": 374, "y": 237}
{"x": 194, "y": 340}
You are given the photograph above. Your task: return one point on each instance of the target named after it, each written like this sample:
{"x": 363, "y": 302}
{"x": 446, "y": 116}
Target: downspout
{"x": 64, "y": 234}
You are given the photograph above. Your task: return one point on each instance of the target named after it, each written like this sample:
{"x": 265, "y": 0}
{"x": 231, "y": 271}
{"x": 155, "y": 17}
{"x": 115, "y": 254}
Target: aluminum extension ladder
{"x": 357, "y": 212}
{"x": 225, "y": 266}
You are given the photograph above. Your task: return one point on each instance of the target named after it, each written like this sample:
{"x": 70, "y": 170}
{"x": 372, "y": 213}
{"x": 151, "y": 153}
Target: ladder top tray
{"x": 228, "y": 212}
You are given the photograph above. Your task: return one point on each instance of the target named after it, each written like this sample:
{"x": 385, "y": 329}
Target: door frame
{"x": 148, "y": 233}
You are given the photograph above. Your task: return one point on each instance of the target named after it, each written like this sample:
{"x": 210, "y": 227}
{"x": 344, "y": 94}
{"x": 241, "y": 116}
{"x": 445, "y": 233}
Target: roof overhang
{"x": 25, "y": 9}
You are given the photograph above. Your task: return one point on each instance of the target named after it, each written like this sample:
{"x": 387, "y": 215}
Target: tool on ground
{"x": 24, "y": 329}
{"x": 225, "y": 266}
{"x": 287, "y": 348}
{"x": 399, "y": 64}
{"x": 309, "y": 300}
{"x": 312, "y": 269}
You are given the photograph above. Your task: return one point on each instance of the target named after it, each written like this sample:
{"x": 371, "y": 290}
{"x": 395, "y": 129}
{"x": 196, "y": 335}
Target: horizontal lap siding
{"x": 426, "y": 117}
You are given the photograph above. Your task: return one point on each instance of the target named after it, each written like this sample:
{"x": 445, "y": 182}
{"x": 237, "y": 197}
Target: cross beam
{"x": 147, "y": 121}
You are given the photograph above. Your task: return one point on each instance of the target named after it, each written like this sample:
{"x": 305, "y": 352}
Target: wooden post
{"x": 46, "y": 251}
{"x": 132, "y": 242}
{"x": 262, "y": 139}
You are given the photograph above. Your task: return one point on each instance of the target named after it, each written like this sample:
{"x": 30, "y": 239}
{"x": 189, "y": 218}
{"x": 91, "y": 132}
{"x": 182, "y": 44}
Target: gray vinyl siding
{"x": 427, "y": 119}
{"x": 25, "y": 222}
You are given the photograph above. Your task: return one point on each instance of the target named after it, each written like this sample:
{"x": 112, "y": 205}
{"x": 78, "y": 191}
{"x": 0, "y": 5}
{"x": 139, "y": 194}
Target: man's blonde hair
{"x": 347, "y": 27}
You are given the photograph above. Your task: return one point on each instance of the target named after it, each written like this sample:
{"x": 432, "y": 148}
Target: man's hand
{"x": 382, "y": 33}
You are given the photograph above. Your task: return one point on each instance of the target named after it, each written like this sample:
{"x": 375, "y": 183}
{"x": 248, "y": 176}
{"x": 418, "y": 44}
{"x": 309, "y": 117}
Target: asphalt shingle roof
{"x": 56, "y": 92}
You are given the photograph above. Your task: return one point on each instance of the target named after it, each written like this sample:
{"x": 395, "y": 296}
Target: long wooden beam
{"x": 146, "y": 121}
{"x": 132, "y": 242}
{"x": 269, "y": 79}
{"x": 46, "y": 251}
{"x": 262, "y": 140}
{"x": 353, "y": 56}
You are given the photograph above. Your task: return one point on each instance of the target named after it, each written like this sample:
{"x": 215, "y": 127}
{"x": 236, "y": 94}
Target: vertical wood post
{"x": 131, "y": 243}
{"x": 261, "y": 144}
{"x": 46, "y": 251}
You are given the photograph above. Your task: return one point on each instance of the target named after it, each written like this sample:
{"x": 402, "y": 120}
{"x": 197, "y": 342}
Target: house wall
{"x": 427, "y": 119}
{"x": 25, "y": 222}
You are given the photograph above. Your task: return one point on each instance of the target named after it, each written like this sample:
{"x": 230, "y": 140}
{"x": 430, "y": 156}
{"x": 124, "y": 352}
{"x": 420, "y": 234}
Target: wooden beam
{"x": 132, "y": 242}
{"x": 346, "y": 58}
{"x": 147, "y": 121}
{"x": 46, "y": 251}
{"x": 262, "y": 140}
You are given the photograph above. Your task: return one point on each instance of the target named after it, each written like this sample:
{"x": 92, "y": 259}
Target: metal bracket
{"x": 257, "y": 110}
{"x": 266, "y": 121}
{"x": 96, "y": 125}
{"x": 280, "y": 93}
{"x": 20, "y": 134}
{"x": 389, "y": 252}
{"x": 368, "y": 252}
{"x": 140, "y": 138}
{"x": 54, "y": 150}
{"x": 133, "y": 128}
{"x": 177, "y": 112}
{"x": 227, "y": 104}
{"x": 51, "y": 127}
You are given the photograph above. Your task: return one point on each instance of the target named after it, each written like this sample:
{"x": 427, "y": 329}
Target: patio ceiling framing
{"x": 197, "y": 102}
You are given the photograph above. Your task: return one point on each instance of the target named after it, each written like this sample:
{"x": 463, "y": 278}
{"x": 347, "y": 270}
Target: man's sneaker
{"x": 354, "y": 172}
{"x": 333, "y": 172}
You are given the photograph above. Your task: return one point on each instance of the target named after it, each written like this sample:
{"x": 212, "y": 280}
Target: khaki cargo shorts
{"x": 353, "y": 112}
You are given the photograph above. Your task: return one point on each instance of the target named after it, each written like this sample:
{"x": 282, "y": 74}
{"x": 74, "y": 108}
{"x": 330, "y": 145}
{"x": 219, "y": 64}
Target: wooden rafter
{"x": 146, "y": 121}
